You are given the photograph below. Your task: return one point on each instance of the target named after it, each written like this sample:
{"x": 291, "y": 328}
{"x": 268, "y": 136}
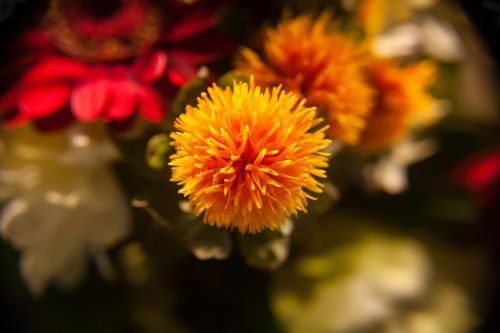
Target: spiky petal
{"x": 246, "y": 157}
{"x": 403, "y": 102}
{"x": 322, "y": 65}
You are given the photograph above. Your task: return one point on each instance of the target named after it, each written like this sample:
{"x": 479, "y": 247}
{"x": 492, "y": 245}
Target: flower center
{"x": 96, "y": 30}
{"x": 100, "y": 9}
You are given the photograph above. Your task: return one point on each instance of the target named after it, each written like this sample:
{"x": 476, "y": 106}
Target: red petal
{"x": 89, "y": 99}
{"x": 55, "y": 69}
{"x": 179, "y": 72}
{"x": 152, "y": 68}
{"x": 9, "y": 100}
{"x": 479, "y": 172}
{"x": 151, "y": 106}
{"x": 42, "y": 101}
{"x": 191, "y": 25}
{"x": 123, "y": 99}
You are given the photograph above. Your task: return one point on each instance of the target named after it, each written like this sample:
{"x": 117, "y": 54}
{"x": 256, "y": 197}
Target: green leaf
{"x": 187, "y": 95}
{"x": 207, "y": 242}
{"x": 157, "y": 150}
{"x": 267, "y": 250}
{"x": 227, "y": 79}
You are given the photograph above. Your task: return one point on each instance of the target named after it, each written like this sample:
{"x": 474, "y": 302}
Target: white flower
{"x": 448, "y": 310}
{"x": 377, "y": 280}
{"x": 389, "y": 172}
{"x": 427, "y": 35}
{"x": 65, "y": 204}
{"x": 352, "y": 287}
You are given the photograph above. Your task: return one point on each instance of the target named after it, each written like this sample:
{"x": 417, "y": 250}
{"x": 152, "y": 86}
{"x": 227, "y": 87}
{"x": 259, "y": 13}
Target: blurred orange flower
{"x": 403, "y": 102}
{"x": 322, "y": 65}
{"x": 245, "y": 157}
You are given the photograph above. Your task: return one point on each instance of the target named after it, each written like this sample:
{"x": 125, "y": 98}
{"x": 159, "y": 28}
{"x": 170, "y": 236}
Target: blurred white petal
{"x": 64, "y": 208}
{"x": 389, "y": 172}
{"x": 400, "y": 41}
{"x": 286, "y": 228}
{"x": 353, "y": 286}
{"x": 88, "y": 146}
{"x": 441, "y": 40}
{"x": 448, "y": 311}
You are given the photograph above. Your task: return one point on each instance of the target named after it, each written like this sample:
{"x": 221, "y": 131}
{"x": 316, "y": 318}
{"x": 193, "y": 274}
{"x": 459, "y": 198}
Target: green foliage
{"x": 157, "y": 150}
{"x": 187, "y": 96}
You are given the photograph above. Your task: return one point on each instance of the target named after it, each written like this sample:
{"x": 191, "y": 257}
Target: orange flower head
{"x": 321, "y": 65}
{"x": 245, "y": 157}
{"x": 402, "y": 102}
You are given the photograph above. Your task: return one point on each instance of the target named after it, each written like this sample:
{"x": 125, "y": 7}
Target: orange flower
{"x": 323, "y": 66}
{"x": 375, "y": 16}
{"x": 245, "y": 157}
{"x": 370, "y": 15}
{"x": 402, "y": 102}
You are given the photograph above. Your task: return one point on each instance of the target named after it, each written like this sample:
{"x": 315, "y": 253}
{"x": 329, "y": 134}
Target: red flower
{"x": 480, "y": 174}
{"x": 91, "y": 92}
{"x": 95, "y": 61}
